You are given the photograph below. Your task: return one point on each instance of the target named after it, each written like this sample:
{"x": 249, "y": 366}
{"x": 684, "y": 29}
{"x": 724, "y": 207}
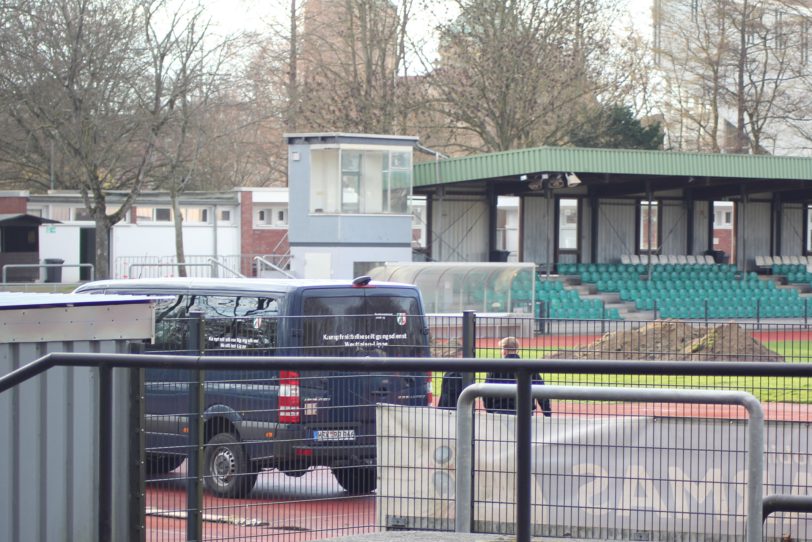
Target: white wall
{"x": 152, "y": 240}
{"x": 60, "y": 241}
{"x": 338, "y": 262}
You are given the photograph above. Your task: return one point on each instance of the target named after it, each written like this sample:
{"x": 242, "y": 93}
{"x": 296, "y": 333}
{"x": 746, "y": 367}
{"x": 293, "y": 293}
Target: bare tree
{"x": 350, "y": 58}
{"x": 517, "y": 73}
{"x": 85, "y": 93}
{"x": 727, "y": 72}
{"x": 194, "y": 70}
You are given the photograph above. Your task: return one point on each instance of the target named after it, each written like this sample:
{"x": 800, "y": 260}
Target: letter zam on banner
{"x": 364, "y": 339}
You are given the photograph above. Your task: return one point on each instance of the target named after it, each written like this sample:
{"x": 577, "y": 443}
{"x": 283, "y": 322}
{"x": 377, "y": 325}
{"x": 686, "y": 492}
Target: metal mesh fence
{"x": 292, "y": 455}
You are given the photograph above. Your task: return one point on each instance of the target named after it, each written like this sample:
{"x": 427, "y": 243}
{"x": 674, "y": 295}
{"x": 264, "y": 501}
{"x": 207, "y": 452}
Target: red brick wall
{"x": 13, "y": 205}
{"x": 724, "y": 241}
{"x": 255, "y": 242}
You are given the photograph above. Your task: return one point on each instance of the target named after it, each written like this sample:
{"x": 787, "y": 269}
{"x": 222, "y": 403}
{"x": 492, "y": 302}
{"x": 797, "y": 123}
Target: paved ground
{"x": 428, "y": 536}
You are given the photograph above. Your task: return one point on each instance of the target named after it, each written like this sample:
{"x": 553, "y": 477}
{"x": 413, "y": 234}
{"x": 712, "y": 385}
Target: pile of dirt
{"x": 675, "y": 341}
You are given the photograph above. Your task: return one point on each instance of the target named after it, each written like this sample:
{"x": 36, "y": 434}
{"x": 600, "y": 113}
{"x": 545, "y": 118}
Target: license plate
{"x": 334, "y": 434}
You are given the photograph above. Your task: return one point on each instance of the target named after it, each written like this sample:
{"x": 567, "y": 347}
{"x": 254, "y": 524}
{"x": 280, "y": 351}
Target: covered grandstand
{"x": 634, "y": 229}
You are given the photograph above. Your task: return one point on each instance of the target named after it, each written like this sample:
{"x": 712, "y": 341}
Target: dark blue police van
{"x": 289, "y": 420}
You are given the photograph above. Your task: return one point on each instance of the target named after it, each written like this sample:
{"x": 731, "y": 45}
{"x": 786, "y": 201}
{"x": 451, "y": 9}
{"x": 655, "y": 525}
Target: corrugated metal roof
{"x": 32, "y": 300}
{"x": 611, "y": 161}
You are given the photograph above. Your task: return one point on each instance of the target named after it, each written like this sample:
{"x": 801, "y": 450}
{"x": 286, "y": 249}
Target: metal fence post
{"x": 524, "y": 437}
{"x": 105, "y": 453}
{"x": 468, "y": 378}
{"x": 194, "y": 481}
{"x": 137, "y": 527}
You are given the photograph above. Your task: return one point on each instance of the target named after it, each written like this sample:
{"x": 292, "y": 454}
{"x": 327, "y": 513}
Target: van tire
{"x": 357, "y": 480}
{"x": 226, "y": 469}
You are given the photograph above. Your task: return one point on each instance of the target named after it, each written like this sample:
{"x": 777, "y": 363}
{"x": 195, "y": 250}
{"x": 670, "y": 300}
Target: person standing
{"x": 507, "y": 405}
{"x": 451, "y": 385}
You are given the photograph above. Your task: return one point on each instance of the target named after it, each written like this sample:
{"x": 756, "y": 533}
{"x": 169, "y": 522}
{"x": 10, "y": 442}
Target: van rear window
{"x": 386, "y": 326}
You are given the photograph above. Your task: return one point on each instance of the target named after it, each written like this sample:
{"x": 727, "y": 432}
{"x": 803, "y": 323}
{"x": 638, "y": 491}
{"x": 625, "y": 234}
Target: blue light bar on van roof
{"x": 360, "y": 282}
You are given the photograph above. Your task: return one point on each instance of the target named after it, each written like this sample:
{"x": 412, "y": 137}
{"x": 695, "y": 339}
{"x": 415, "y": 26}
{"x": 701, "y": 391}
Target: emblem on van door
{"x": 401, "y": 318}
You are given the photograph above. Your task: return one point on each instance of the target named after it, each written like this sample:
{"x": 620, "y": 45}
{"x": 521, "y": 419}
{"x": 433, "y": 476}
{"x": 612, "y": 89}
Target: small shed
{"x": 49, "y": 477}
{"x": 19, "y": 244}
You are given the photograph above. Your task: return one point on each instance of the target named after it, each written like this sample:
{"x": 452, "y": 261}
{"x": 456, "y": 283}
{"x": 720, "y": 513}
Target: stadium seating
{"x": 698, "y": 290}
{"x": 557, "y": 301}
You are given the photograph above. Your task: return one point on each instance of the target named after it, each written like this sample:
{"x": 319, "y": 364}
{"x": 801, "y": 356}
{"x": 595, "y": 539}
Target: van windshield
{"x": 372, "y": 325}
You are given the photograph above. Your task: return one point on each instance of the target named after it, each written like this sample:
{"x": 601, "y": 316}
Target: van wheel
{"x": 161, "y": 464}
{"x": 227, "y": 470}
{"x": 356, "y": 480}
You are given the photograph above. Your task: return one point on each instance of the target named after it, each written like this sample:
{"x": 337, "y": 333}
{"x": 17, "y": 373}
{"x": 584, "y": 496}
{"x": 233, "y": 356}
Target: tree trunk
{"x": 178, "y": 223}
{"x": 103, "y": 228}
{"x": 741, "y": 134}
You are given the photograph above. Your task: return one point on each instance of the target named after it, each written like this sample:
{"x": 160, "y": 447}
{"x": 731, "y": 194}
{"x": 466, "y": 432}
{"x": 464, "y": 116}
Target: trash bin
{"x": 499, "y": 255}
{"x": 719, "y": 256}
{"x": 53, "y": 274}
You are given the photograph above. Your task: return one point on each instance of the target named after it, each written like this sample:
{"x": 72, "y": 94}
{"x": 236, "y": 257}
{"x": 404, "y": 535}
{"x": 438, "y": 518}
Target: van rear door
{"x": 362, "y": 322}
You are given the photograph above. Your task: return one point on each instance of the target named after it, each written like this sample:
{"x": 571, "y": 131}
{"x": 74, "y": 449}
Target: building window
{"x": 195, "y": 215}
{"x": 153, "y": 214}
{"x": 271, "y": 217}
{"x": 648, "y": 240}
{"x": 568, "y": 224}
{"x": 81, "y": 214}
{"x": 354, "y": 181}
{"x": 60, "y": 213}
{"x": 722, "y": 219}
{"x": 225, "y": 215}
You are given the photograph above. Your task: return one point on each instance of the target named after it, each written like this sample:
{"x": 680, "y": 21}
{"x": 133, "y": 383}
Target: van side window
{"x": 215, "y": 306}
{"x": 256, "y": 306}
{"x": 170, "y": 308}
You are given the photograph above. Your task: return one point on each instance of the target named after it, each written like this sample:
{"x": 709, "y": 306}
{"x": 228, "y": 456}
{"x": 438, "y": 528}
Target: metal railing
{"x": 263, "y": 261}
{"x": 767, "y": 377}
{"x": 196, "y": 265}
{"x": 525, "y": 393}
{"x": 48, "y": 266}
{"x": 108, "y": 362}
{"x": 174, "y": 266}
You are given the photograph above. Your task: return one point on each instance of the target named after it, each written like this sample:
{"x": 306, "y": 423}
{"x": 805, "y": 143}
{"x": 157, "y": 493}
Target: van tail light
{"x": 429, "y": 394}
{"x": 290, "y": 407}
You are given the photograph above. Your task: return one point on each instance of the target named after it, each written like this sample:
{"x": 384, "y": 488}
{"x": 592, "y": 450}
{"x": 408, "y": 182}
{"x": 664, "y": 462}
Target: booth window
{"x": 353, "y": 181}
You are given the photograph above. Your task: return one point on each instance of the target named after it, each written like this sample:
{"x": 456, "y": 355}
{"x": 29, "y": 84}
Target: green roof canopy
{"x": 605, "y": 166}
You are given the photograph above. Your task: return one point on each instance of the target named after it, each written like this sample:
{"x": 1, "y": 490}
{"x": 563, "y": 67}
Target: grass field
{"x": 766, "y": 389}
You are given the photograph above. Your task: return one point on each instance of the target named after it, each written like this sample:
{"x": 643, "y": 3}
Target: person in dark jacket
{"x": 450, "y": 390}
{"x": 451, "y": 385}
{"x": 507, "y": 405}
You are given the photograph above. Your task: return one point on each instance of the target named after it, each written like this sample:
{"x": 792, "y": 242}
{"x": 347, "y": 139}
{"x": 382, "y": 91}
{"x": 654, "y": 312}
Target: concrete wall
{"x": 61, "y": 241}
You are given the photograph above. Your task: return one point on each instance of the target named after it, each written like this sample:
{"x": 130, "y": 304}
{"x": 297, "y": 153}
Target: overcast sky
{"x": 248, "y": 15}
{"x": 234, "y": 16}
